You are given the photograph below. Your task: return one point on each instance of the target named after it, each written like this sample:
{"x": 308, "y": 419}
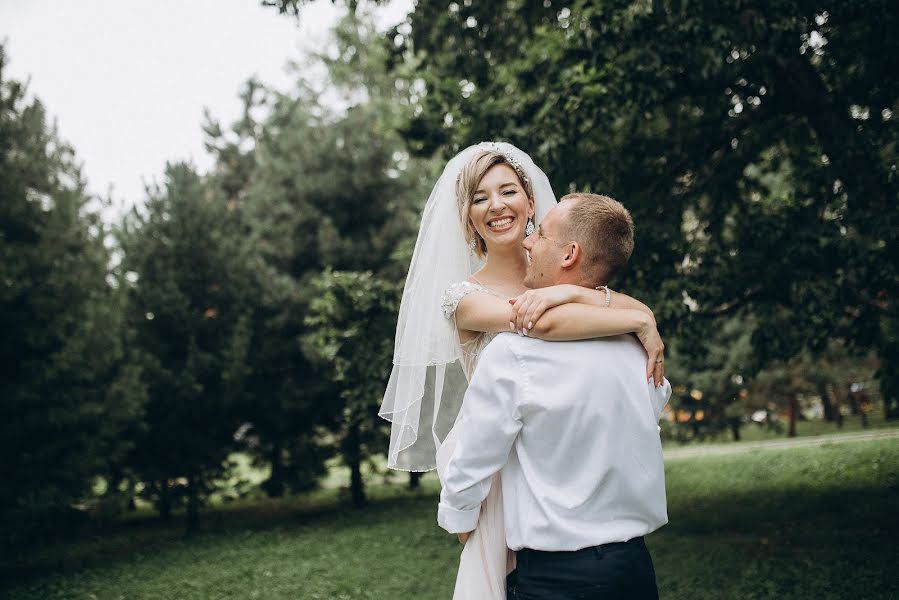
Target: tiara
{"x": 509, "y": 159}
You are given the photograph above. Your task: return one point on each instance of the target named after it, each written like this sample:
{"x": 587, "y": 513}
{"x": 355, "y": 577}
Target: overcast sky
{"x": 127, "y": 80}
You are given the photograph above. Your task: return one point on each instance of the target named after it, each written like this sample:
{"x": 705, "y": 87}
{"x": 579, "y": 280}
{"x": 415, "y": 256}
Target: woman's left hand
{"x": 655, "y": 352}
{"x": 529, "y": 306}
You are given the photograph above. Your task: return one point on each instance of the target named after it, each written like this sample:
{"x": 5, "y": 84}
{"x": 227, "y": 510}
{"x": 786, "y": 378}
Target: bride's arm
{"x": 571, "y": 312}
{"x": 575, "y": 321}
{"x": 567, "y": 319}
{"x": 480, "y": 312}
{"x": 527, "y": 308}
{"x": 571, "y": 321}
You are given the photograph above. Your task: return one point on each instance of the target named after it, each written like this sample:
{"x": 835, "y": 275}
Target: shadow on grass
{"x": 747, "y": 533}
{"x": 793, "y": 543}
{"x": 145, "y": 532}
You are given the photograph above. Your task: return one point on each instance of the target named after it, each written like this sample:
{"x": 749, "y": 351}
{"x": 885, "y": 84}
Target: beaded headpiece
{"x": 509, "y": 159}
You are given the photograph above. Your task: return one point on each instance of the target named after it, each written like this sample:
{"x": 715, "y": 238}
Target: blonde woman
{"x": 463, "y": 287}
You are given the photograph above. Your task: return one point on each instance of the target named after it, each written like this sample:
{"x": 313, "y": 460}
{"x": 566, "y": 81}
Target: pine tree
{"x": 325, "y": 189}
{"x": 64, "y": 386}
{"x": 191, "y": 283}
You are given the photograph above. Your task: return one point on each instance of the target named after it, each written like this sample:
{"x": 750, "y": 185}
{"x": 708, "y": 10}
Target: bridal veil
{"x": 425, "y": 390}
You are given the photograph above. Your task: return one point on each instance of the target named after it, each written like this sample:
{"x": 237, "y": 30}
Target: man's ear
{"x": 572, "y": 255}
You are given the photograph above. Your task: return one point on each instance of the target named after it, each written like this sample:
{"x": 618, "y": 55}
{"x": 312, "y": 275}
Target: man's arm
{"x": 489, "y": 423}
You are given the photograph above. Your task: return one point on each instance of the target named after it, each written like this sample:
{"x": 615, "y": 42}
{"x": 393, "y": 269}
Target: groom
{"x": 571, "y": 427}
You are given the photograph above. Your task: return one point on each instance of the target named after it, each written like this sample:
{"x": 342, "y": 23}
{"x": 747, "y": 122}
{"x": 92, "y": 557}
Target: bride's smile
{"x": 502, "y": 224}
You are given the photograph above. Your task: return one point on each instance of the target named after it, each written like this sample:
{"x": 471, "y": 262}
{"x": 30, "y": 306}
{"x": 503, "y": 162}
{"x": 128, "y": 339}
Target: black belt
{"x": 527, "y": 556}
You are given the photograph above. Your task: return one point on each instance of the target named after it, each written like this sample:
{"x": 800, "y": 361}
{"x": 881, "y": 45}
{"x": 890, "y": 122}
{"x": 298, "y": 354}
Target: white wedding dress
{"x": 485, "y": 559}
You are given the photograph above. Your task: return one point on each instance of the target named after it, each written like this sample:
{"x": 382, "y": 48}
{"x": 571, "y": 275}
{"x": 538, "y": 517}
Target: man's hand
{"x": 529, "y": 306}
{"x": 463, "y": 537}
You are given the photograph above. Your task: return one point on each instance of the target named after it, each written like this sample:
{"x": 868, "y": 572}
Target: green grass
{"x": 802, "y": 523}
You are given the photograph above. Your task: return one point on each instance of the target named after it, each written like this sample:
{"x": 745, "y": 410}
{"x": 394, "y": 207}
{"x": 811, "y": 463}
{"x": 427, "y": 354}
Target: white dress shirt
{"x": 572, "y": 427}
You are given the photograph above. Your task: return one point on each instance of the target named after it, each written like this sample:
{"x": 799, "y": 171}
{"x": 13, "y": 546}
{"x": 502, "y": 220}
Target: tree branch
{"x": 731, "y": 305}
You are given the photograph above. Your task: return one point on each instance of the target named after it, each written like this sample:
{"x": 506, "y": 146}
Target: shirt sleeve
{"x": 660, "y": 396}
{"x": 489, "y": 422}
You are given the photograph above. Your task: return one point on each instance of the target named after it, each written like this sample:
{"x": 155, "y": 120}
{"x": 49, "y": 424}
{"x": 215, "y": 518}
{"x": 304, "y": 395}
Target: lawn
{"x": 801, "y": 523}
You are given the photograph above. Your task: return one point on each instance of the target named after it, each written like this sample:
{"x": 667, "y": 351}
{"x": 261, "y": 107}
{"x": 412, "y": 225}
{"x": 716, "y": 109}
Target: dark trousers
{"x": 620, "y": 570}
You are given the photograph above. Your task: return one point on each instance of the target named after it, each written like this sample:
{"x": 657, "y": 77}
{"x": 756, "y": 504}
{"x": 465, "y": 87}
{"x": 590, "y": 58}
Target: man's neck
{"x": 572, "y": 278}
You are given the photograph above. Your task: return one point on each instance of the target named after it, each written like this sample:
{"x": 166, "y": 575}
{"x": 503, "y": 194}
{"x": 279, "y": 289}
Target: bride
{"x": 463, "y": 287}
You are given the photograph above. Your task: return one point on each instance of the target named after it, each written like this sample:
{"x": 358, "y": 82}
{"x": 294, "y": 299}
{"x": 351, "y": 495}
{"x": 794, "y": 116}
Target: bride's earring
{"x": 472, "y": 244}
{"x": 529, "y": 228}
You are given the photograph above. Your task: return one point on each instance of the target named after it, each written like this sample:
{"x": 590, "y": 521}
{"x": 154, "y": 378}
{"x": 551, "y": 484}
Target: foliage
{"x": 321, "y": 189}
{"x": 839, "y": 376}
{"x": 65, "y": 390}
{"x": 294, "y": 7}
{"x": 709, "y": 391}
{"x": 720, "y": 388}
{"x": 352, "y": 322}
{"x": 755, "y": 146}
{"x": 283, "y": 405}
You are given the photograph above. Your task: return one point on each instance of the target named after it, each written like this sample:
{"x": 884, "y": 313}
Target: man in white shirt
{"x": 572, "y": 428}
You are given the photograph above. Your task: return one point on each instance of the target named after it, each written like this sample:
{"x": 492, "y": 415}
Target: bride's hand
{"x": 463, "y": 537}
{"x": 655, "y": 350}
{"x": 529, "y": 306}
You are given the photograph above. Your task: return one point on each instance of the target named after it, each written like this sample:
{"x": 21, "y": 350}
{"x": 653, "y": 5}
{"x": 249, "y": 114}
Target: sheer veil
{"x": 425, "y": 390}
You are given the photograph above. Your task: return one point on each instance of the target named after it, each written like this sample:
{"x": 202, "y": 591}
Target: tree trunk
{"x": 735, "y": 429}
{"x": 794, "y": 415}
{"x": 837, "y": 406}
{"x": 164, "y": 503}
{"x": 888, "y": 381}
{"x": 193, "y": 505}
{"x": 274, "y": 485}
{"x": 353, "y": 457}
{"x": 826, "y": 402}
{"x": 890, "y": 403}
{"x": 414, "y": 480}
{"x": 132, "y": 503}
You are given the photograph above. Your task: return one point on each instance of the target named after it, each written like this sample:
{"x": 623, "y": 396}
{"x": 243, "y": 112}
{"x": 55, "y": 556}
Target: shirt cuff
{"x": 455, "y": 520}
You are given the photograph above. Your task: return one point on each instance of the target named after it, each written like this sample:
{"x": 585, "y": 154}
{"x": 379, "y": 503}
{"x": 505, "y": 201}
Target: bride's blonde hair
{"x": 467, "y": 185}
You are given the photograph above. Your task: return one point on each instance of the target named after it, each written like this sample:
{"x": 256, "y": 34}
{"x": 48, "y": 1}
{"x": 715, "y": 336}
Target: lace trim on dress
{"x": 454, "y": 294}
{"x": 471, "y": 347}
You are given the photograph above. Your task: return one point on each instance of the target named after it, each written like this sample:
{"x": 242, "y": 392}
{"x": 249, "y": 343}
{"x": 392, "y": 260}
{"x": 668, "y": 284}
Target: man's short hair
{"x": 605, "y": 231}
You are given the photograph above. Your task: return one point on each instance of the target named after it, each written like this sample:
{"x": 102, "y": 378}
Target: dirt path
{"x": 740, "y": 447}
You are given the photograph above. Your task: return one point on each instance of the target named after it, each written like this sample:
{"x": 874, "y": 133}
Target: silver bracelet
{"x": 608, "y": 293}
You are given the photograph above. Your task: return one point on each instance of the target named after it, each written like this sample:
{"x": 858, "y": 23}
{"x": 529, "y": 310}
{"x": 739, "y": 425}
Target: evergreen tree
{"x": 285, "y": 406}
{"x": 323, "y": 198}
{"x": 325, "y": 189}
{"x": 353, "y": 319}
{"x": 65, "y": 389}
{"x": 191, "y": 282}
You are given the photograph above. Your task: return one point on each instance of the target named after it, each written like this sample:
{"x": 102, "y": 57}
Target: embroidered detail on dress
{"x": 454, "y": 294}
